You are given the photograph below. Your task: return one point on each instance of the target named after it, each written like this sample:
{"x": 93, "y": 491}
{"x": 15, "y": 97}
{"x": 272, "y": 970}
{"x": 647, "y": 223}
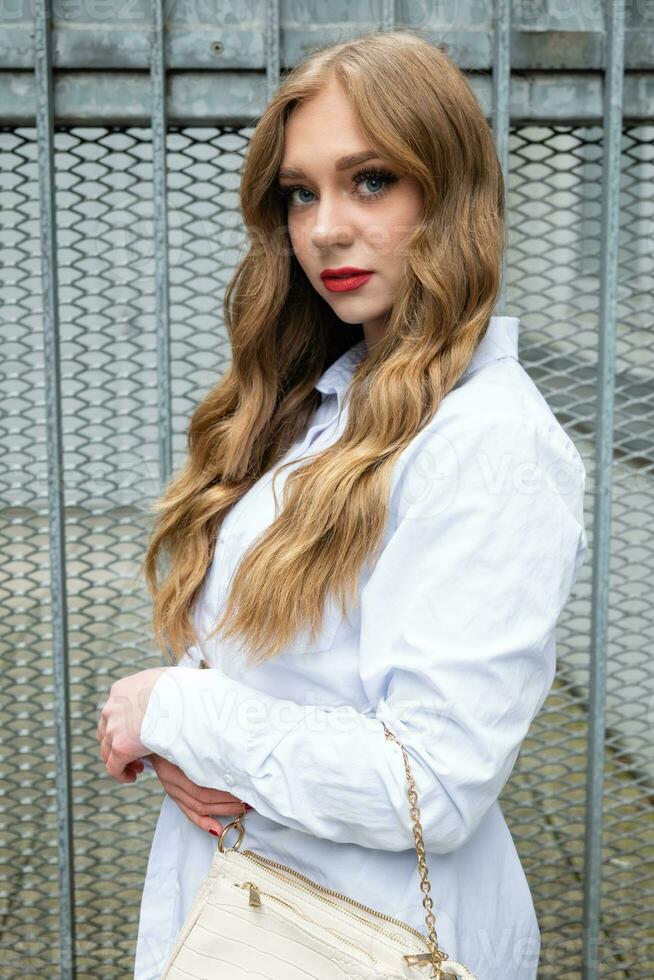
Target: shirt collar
{"x": 338, "y": 375}
{"x": 500, "y": 340}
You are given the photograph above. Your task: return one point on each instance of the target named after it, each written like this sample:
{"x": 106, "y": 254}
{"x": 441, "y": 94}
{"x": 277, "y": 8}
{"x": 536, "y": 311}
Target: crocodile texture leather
{"x": 250, "y": 919}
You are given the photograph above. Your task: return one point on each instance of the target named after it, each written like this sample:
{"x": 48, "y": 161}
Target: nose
{"x": 332, "y": 225}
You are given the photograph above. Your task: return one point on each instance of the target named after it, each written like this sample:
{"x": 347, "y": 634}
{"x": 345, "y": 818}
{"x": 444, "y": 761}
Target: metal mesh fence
{"x": 109, "y": 386}
{"x": 554, "y": 204}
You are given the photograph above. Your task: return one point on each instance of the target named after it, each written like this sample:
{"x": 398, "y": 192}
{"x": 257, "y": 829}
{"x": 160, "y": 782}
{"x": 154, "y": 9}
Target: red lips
{"x": 345, "y": 279}
{"x": 345, "y": 270}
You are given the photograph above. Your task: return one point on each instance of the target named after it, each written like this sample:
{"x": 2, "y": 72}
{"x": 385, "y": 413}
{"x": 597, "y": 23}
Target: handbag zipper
{"x": 255, "y": 892}
{"x": 255, "y": 902}
{"x": 269, "y": 863}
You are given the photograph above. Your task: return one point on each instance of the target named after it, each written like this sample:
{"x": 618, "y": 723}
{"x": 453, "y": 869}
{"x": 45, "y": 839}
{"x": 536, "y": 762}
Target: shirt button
{"x": 229, "y": 779}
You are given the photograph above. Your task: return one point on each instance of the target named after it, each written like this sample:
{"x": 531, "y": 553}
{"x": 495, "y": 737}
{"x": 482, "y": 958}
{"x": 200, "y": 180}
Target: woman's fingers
{"x": 201, "y": 809}
{"x": 134, "y": 768}
{"x": 204, "y": 823}
{"x": 170, "y": 776}
{"x": 199, "y": 803}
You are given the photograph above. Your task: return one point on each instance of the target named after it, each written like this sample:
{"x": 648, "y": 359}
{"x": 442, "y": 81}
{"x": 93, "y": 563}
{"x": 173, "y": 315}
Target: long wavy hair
{"x": 418, "y": 111}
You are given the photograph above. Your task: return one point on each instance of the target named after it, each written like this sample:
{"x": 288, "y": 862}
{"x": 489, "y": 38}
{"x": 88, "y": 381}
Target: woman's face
{"x": 341, "y": 212}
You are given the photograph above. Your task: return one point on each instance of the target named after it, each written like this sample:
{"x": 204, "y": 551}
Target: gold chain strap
{"x": 437, "y": 954}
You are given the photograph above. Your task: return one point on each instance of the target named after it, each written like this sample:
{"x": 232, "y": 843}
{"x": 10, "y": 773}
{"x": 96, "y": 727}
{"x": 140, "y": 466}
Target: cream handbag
{"x": 255, "y": 918}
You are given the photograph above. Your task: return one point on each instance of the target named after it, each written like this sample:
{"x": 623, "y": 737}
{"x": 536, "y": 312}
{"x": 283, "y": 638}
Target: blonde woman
{"x": 380, "y": 520}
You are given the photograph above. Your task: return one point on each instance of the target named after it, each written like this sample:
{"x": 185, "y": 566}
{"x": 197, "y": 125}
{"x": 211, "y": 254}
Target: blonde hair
{"x": 418, "y": 111}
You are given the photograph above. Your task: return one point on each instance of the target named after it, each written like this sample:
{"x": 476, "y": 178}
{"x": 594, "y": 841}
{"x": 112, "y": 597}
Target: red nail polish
{"x": 214, "y": 832}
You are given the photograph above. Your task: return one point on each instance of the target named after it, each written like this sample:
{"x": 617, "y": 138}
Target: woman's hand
{"x": 198, "y": 803}
{"x": 119, "y": 728}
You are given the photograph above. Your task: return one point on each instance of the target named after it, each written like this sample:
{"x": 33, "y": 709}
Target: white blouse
{"x": 452, "y": 645}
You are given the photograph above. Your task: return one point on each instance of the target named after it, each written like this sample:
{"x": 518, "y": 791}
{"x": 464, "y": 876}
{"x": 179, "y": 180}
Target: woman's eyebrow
{"x": 343, "y": 163}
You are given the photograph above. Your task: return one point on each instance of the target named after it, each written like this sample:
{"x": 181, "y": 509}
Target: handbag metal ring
{"x": 236, "y": 825}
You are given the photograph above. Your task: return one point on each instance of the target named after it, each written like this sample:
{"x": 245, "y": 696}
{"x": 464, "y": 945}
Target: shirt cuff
{"x": 206, "y": 723}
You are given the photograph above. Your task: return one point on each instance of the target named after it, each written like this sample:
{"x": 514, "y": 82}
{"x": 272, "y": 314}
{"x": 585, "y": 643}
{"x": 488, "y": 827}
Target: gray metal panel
{"x": 545, "y": 35}
{"x": 238, "y": 98}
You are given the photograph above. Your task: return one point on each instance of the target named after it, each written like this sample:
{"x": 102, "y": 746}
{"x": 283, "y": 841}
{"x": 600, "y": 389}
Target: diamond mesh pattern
{"x": 28, "y": 858}
{"x": 109, "y": 405}
{"x": 206, "y": 241}
{"x": 554, "y": 204}
{"x": 108, "y": 372}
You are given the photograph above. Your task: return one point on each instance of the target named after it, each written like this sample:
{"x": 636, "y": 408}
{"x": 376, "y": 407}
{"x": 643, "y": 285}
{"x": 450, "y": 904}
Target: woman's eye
{"x": 379, "y": 179}
{"x": 288, "y": 192}
{"x": 383, "y": 177}
{"x": 373, "y": 179}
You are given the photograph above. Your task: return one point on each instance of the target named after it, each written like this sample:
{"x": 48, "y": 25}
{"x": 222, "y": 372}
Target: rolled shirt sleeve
{"x": 187, "y": 660}
{"x": 485, "y": 540}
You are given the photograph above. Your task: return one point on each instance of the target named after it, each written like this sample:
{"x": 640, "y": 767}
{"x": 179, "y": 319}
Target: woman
{"x": 411, "y": 559}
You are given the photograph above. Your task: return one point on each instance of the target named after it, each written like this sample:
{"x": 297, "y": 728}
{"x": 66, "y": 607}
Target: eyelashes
{"x": 378, "y": 174}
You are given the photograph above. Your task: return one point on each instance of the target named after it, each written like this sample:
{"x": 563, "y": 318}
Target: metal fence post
{"x": 56, "y": 523}
{"x": 160, "y": 231}
{"x": 501, "y": 105}
{"x": 604, "y": 463}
